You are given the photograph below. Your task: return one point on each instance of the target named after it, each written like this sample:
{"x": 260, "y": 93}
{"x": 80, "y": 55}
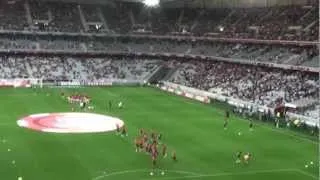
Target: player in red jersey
{"x": 147, "y": 147}
{"x": 154, "y": 155}
{"x": 138, "y": 143}
{"x": 149, "y": 150}
{"x": 145, "y": 142}
{"x": 164, "y": 150}
{"x": 145, "y": 137}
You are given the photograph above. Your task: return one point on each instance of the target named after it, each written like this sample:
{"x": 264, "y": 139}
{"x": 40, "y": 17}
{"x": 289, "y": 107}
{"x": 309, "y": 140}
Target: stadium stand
{"x": 12, "y": 16}
{"x": 258, "y": 84}
{"x": 68, "y": 68}
{"x": 280, "y": 54}
{"x": 281, "y": 23}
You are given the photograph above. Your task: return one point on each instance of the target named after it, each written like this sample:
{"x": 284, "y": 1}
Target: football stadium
{"x": 159, "y": 90}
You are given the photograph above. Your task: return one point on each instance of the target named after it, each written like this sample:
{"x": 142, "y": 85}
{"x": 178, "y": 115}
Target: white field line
{"x": 193, "y": 175}
{"x": 236, "y": 174}
{"x": 288, "y": 134}
{"x": 185, "y": 172}
{"x": 306, "y": 174}
{"x": 142, "y": 170}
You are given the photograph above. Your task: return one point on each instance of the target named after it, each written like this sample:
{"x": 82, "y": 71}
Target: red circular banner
{"x": 70, "y": 122}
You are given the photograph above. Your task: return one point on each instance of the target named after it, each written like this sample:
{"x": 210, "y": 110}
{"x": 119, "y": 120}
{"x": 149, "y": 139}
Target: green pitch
{"x": 205, "y": 151}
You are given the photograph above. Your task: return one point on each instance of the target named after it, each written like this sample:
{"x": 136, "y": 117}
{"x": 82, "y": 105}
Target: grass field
{"x": 204, "y": 150}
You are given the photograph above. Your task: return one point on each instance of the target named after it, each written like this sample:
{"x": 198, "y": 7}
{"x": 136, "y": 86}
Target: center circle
{"x": 70, "y": 122}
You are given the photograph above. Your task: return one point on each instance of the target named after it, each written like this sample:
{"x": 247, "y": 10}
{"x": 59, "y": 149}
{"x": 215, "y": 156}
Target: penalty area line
{"x": 226, "y": 174}
{"x": 306, "y": 173}
{"x": 290, "y": 134}
{"x": 184, "y": 172}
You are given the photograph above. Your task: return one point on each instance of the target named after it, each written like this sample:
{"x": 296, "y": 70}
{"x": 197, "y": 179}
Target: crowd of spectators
{"x": 281, "y": 54}
{"x": 260, "y": 85}
{"x": 295, "y": 22}
{"x": 72, "y": 68}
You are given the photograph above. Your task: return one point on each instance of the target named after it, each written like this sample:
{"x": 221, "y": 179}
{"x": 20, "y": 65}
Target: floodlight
{"x": 151, "y": 3}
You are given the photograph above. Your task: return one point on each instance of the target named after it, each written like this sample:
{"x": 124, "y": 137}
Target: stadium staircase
{"x": 227, "y": 17}
{"x": 307, "y": 14}
{"x": 181, "y": 15}
{"x": 310, "y": 25}
{"x": 196, "y": 21}
{"x": 159, "y": 75}
{"x": 314, "y": 62}
{"x": 131, "y": 16}
{"x": 82, "y": 18}
{"x": 170, "y": 73}
{"x": 239, "y": 19}
{"x": 103, "y": 20}
{"x": 293, "y": 60}
{"x": 149, "y": 76}
{"x": 50, "y": 16}
{"x": 28, "y": 13}
{"x": 29, "y": 69}
{"x": 266, "y": 16}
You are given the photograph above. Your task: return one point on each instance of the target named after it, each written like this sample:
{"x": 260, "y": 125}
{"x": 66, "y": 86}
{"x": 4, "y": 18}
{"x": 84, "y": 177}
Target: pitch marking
{"x": 237, "y": 173}
{"x": 197, "y": 175}
{"x": 143, "y": 170}
{"x": 296, "y": 136}
{"x": 306, "y": 173}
